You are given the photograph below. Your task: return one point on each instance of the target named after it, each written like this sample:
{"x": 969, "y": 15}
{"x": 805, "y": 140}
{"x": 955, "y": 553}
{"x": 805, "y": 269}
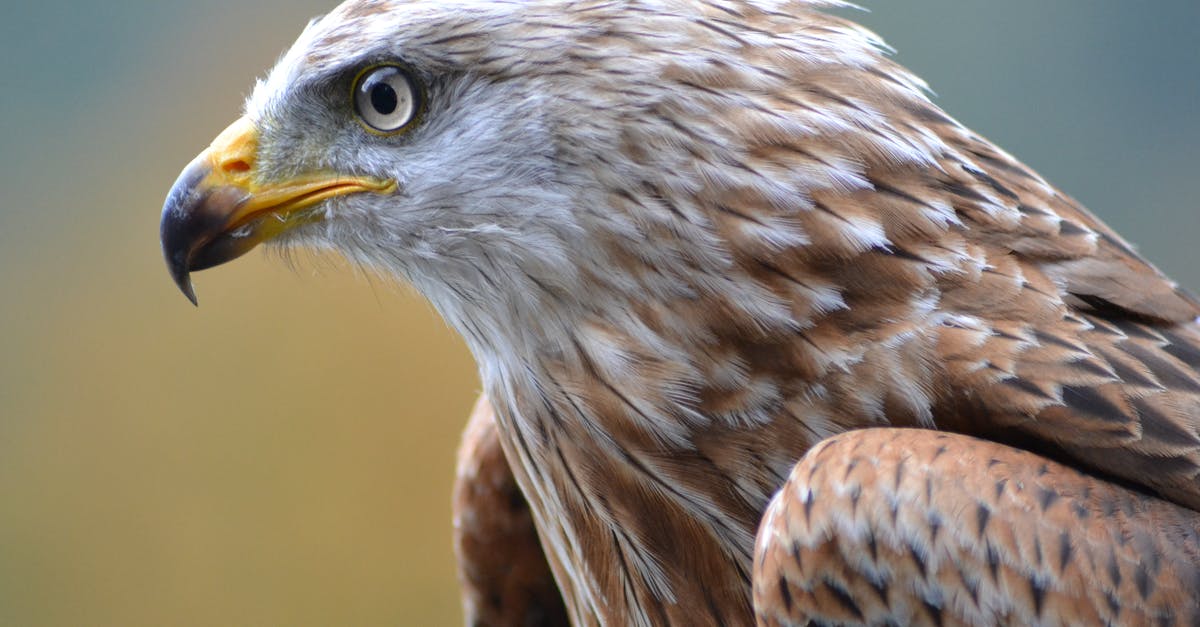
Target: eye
{"x": 386, "y": 99}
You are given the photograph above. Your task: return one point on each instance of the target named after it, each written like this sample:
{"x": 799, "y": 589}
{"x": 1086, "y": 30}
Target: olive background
{"x": 283, "y": 455}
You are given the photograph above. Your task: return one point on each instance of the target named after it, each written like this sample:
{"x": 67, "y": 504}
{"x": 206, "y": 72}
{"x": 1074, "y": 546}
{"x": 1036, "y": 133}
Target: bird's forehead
{"x": 431, "y": 35}
{"x": 420, "y": 31}
{"x": 523, "y": 24}
{"x": 514, "y": 37}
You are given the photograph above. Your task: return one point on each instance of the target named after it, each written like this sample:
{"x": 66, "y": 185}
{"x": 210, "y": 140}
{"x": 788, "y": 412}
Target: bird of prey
{"x": 768, "y": 336}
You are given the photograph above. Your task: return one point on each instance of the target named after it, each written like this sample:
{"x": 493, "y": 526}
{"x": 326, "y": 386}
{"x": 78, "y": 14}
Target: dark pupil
{"x": 384, "y": 99}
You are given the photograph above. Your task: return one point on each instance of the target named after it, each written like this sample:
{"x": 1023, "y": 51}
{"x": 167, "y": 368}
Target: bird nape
{"x": 708, "y": 253}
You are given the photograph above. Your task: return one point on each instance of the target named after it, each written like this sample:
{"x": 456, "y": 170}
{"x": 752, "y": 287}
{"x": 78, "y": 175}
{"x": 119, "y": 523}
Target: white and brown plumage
{"x": 700, "y": 247}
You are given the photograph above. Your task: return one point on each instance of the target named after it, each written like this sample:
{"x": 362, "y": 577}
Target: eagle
{"x": 764, "y": 334}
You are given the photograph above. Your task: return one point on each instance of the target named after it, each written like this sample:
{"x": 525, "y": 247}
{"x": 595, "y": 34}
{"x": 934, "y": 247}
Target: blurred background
{"x": 283, "y": 455}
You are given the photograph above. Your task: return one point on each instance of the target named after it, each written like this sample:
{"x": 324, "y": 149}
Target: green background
{"x": 283, "y": 455}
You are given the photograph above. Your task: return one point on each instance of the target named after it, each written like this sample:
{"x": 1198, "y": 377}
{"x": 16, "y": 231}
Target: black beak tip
{"x": 179, "y": 266}
{"x": 184, "y": 281}
{"x": 179, "y": 227}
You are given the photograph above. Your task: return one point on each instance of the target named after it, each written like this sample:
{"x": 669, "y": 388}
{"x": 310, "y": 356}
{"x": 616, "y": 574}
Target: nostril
{"x": 236, "y": 165}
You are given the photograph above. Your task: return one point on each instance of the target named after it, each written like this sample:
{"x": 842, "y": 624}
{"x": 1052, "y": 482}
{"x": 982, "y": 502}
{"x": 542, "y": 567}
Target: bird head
{"x": 378, "y": 135}
{"x": 508, "y": 158}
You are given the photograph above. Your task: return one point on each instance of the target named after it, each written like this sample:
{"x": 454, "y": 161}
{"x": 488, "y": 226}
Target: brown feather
{"x": 900, "y": 527}
{"x": 503, "y": 573}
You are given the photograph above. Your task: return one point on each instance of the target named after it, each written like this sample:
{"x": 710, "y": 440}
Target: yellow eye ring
{"x": 387, "y": 99}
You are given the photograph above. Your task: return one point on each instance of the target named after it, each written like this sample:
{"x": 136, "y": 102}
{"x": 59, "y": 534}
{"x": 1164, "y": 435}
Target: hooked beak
{"x": 219, "y": 207}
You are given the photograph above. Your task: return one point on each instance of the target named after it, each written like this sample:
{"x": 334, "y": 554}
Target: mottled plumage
{"x": 503, "y": 573}
{"x": 904, "y": 527}
{"x": 689, "y": 241}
